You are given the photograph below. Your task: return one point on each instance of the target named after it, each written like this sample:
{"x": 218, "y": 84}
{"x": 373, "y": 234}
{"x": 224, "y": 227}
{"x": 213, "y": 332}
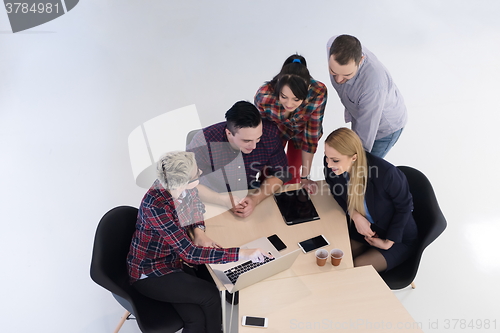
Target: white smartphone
{"x": 254, "y": 321}
{"x": 313, "y": 243}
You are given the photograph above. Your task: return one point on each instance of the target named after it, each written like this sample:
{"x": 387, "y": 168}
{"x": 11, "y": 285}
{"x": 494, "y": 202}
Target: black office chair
{"x": 109, "y": 270}
{"x": 430, "y": 222}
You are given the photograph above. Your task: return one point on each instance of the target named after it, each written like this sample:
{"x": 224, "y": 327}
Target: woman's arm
{"x": 396, "y": 187}
{"x": 201, "y": 239}
{"x": 314, "y": 109}
{"x": 363, "y": 226}
{"x": 162, "y": 220}
{"x": 384, "y": 244}
{"x": 308, "y": 184}
{"x": 313, "y": 131}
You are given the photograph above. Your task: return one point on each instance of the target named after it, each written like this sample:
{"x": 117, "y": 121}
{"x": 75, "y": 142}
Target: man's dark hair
{"x": 346, "y": 48}
{"x": 242, "y": 114}
{"x": 294, "y": 74}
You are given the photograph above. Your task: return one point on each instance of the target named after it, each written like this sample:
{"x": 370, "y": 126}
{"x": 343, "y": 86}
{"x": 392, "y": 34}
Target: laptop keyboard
{"x": 234, "y": 273}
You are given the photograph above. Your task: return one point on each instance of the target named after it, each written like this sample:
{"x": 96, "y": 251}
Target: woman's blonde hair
{"x": 346, "y": 142}
{"x": 174, "y": 169}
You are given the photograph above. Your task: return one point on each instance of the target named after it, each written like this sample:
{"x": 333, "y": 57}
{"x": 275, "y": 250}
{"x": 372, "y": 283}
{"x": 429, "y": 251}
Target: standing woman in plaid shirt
{"x": 296, "y": 103}
{"x": 170, "y": 238}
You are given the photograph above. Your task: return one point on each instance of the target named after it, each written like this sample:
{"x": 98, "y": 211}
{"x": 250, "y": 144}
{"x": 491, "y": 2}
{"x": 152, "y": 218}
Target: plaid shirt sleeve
{"x": 163, "y": 221}
{"x": 314, "y": 125}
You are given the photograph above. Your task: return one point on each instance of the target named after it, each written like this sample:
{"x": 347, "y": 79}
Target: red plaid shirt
{"x": 304, "y": 128}
{"x": 161, "y": 242}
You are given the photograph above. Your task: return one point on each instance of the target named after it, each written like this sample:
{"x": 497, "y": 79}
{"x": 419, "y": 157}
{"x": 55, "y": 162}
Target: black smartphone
{"x": 277, "y": 242}
{"x": 313, "y": 243}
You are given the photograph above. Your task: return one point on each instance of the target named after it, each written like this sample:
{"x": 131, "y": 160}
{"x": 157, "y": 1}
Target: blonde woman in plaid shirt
{"x": 296, "y": 103}
{"x": 170, "y": 238}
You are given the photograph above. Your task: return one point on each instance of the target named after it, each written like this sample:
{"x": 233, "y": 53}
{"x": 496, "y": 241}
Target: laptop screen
{"x": 296, "y": 206}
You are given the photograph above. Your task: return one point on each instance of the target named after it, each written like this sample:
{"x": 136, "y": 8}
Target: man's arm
{"x": 222, "y": 199}
{"x": 247, "y": 205}
{"x": 367, "y": 118}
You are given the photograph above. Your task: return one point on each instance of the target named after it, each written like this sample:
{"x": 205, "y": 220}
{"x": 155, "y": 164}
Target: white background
{"x": 72, "y": 90}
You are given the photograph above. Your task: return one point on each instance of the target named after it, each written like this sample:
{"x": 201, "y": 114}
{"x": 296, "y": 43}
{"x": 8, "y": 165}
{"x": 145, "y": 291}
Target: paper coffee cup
{"x": 321, "y": 257}
{"x": 336, "y": 255}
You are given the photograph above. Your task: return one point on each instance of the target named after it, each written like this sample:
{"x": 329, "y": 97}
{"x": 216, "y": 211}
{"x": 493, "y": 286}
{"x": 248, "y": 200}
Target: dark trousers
{"x": 196, "y": 300}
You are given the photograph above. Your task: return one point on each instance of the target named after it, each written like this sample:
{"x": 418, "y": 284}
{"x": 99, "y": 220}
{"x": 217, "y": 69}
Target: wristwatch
{"x": 200, "y": 226}
{"x": 308, "y": 177}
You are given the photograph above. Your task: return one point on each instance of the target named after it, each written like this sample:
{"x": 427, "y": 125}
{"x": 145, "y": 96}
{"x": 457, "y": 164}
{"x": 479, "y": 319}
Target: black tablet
{"x": 296, "y": 206}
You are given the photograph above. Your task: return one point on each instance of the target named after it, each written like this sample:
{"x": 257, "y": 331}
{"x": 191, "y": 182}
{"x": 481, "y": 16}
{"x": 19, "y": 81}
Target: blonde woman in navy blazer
{"x": 376, "y": 198}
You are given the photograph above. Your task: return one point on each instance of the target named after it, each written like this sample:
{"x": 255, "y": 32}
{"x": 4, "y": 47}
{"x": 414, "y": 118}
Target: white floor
{"x": 72, "y": 90}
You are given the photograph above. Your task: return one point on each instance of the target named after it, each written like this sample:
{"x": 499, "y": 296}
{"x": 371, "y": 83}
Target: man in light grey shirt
{"x": 373, "y": 103}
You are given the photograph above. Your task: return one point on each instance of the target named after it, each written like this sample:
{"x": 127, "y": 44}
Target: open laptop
{"x": 241, "y": 274}
{"x": 296, "y": 207}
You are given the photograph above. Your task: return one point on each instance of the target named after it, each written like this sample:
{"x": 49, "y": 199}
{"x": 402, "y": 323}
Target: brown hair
{"x": 294, "y": 74}
{"x": 346, "y": 48}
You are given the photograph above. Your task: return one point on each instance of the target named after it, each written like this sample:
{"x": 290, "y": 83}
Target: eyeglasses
{"x": 198, "y": 174}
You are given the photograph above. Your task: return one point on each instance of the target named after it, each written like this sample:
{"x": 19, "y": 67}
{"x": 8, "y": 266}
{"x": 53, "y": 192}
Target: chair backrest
{"x": 430, "y": 222}
{"x": 190, "y": 136}
{"x": 111, "y": 245}
{"x": 109, "y": 270}
{"x": 427, "y": 214}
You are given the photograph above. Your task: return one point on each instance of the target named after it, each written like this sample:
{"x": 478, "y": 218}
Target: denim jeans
{"x": 382, "y": 146}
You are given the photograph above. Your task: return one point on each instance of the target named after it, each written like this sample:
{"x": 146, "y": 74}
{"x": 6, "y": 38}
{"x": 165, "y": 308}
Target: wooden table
{"x": 343, "y": 300}
{"x": 308, "y": 297}
{"x": 230, "y": 231}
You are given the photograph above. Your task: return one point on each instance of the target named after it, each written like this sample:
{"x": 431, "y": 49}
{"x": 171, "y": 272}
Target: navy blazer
{"x": 387, "y": 197}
